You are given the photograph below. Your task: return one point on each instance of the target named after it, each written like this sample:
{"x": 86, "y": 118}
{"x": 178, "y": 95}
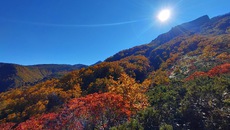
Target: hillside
{"x": 203, "y": 26}
{"x": 13, "y": 75}
{"x": 180, "y": 80}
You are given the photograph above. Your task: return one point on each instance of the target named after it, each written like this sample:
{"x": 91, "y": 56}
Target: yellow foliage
{"x": 131, "y": 91}
{"x": 160, "y": 77}
{"x": 36, "y": 109}
{"x": 75, "y": 92}
{"x": 32, "y": 101}
{"x": 208, "y": 51}
{"x": 11, "y": 116}
{"x": 223, "y": 56}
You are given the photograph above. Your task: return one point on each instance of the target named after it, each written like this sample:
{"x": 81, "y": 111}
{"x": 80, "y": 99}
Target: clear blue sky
{"x": 86, "y": 31}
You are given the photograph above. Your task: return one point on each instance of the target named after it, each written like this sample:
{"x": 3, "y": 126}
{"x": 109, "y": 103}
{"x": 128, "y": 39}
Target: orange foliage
{"x": 170, "y": 61}
{"x": 224, "y": 56}
{"x": 17, "y": 105}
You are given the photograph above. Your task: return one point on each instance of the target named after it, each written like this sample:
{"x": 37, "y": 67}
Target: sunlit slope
{"x": 180, "y": 80}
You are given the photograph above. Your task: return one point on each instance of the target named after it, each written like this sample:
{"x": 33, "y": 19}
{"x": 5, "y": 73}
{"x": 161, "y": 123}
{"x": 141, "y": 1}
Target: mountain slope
{"x": 201, "y": 26}
{"x": 13, "y": 75}
{"x": 179, "y": 81}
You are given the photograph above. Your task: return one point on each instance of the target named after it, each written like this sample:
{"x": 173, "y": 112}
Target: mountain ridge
{"x": 182, "y": 30}
{"x": 180, "y": 84}
{"x": 15, "y": 75}
{"x": 200, "y": 26}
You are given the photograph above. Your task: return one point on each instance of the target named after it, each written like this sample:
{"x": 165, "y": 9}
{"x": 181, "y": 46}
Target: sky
{"x": 86, "y": 31}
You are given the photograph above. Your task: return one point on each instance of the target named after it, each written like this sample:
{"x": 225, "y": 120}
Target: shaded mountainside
{"x": 180, "y": 80}
{"x": 13, "y": 75}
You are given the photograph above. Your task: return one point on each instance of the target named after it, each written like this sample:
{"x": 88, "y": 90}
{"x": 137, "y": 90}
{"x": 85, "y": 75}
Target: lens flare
{"x": 164, "y": 15}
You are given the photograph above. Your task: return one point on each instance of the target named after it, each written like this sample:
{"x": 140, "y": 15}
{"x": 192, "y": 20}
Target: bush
{"x": 166, "y": 127}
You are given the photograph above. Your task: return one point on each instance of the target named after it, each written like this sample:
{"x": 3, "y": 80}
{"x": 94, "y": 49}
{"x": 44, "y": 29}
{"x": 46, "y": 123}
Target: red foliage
{"x": 221, "y": 69}
{"x": 37, "y": 123}
{"x": 216, "y": 71}
{"x": 196, "y": 74}
{"x": 6, "y": 126}
{"x": 94, "y": 111}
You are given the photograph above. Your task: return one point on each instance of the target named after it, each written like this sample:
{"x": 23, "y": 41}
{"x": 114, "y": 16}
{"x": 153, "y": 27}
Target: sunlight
{"x": 164, "y": 15}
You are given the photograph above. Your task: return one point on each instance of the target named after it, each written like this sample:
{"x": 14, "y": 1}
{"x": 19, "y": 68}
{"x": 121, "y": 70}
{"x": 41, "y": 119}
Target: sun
{"x": 164, "y": 15}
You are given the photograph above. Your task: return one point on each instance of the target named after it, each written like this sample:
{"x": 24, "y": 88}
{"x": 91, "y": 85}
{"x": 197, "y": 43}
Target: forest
{"x": 181, "y": 84}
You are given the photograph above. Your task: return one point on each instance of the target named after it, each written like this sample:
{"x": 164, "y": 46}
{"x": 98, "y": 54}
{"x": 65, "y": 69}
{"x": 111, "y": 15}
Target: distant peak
{"x": 201, "y": 20}
{"x": 204, "y": 17}
{"x": 98, "y": 62}
{"x": 188, "y": 28}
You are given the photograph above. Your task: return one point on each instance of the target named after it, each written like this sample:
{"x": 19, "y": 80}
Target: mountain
{"x": 201, "y": 26}
{"x": 189, "y": 41}
{"x": 180, "y": 80}
{"x": 98, "y": 62}
{"x": 13, "y": 75}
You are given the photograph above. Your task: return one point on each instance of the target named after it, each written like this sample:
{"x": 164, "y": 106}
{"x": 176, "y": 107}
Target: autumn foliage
{"x": 220, "y": 69}
{"x": 116, "y": 93}
{"x": 37, "y": 123}
{"x": 7, "y": 126}
{"x": 131, "y": 91}
{"x": 19, "y": 105}
{"x": 94, "y": 111}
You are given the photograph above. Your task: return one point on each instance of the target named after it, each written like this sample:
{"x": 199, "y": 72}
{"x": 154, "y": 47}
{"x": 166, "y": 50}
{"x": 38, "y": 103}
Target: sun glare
{"x": 164, "y": 15}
